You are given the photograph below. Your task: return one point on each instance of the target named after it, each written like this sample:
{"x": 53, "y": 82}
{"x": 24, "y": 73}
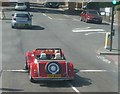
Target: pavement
{"x": 112, "y": 56}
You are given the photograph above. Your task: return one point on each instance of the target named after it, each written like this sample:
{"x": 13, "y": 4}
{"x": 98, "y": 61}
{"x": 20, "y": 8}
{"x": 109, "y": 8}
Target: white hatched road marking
{"x": 103, "y": 59}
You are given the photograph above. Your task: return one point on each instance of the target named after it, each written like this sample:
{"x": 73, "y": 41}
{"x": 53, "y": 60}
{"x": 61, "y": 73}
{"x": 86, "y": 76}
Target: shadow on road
{"x": 9, "y": 89}
{"x": 77, "y": 82}
{"x": 34, "y": 27}
{"x": 81, "y": 81}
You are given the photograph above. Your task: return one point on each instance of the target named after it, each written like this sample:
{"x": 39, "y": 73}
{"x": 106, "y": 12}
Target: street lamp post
{"x": 112, "y": 21}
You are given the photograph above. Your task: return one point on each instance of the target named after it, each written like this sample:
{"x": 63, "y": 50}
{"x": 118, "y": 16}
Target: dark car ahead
{"x": 52, "y": 4}
{"x": 91, "y": 16}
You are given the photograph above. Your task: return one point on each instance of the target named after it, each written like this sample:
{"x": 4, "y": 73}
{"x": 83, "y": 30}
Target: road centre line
{"x": 49, "y": 17}
{"x": 88, "y": 30}
{"x": 75, "y": 19}
{"x": 82, "y": 28}
{"x": 74, "y": 88}
{"x": 66, "y": 15}
{"x": 44, "y": 14}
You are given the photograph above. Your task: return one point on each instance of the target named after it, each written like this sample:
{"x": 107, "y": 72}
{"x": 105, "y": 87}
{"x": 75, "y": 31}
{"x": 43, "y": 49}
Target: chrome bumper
{"x": 53, "y": 79}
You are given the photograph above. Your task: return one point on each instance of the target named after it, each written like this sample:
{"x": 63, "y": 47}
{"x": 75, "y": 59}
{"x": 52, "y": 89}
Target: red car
{"x": 90, "y": 16}
{"x": 48, "y": 64}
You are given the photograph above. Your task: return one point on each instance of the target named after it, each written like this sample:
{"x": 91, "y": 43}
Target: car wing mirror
{"x": 12, "y": 14}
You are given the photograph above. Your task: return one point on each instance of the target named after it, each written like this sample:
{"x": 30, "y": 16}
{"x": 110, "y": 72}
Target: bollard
{"x": 107, "y": 41}
{"x": 2, "y": 14}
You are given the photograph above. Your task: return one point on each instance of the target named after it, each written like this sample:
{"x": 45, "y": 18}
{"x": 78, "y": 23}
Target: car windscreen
{"x": 93, "y": 12}
{"x": 22, "y": 15}
{"x": 20, "y": 4}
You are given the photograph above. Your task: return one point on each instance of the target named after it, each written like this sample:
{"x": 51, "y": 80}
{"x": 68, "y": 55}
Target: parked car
{"x": 21, "y": 19}
{"x": 52, "y": 4}
{"x": 91, "y": 16}
{"x": 21, "y": 6}
{"x": 48, "y": 64}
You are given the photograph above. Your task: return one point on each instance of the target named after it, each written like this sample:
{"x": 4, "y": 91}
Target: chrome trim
{"x": 53, "y": 79}
{"x": 38, "y": 65}
{"x": 67, "y": 69}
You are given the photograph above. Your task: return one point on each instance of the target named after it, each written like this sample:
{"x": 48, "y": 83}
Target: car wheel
{"x": 86, "y": 20}
{"x": 26, "y": 67}
{"x": 30, "y": 78}
{"x": 12, "y": 26}
{"x": 81, "y": 19}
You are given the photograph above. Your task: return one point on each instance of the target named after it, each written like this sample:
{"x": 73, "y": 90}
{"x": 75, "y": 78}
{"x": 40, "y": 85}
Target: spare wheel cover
{"x": 52, "y": 67}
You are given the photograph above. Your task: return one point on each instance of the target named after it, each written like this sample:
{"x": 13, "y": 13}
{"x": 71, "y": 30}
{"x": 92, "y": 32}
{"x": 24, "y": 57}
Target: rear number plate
{"x": 53, "y": 75}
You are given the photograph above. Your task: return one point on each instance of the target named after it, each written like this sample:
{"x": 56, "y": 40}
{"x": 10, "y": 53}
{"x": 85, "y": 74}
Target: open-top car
{"x": 48, "y": 64}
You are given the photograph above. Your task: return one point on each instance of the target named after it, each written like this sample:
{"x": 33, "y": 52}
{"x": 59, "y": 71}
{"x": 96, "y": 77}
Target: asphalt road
{"x": 54, "y": 28}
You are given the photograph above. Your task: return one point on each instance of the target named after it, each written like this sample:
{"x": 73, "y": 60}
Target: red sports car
{"x": 48, "y": 64}
{"x": 90, "y": 15}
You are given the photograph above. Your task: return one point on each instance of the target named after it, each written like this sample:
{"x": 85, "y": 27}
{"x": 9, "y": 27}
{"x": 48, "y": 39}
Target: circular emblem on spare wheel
{"x": 53, "y": 67}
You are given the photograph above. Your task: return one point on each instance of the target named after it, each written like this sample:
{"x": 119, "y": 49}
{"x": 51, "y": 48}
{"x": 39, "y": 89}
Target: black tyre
{"x": 30, "y": 77}
{"x": 12, "y": 26}
{"x": 80, "y": 18}
{"x": 26, "y": 66}
{"x": 86, "y": 20}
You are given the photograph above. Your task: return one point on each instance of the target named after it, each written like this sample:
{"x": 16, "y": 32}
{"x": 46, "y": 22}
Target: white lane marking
{"x": 103, "y": 59}
{"x": 93, "y": 70}
{"x": 15, "y": 70}
{"x": 49, "y": 17}
{"x": 82, "y": 28}
{"x": 75, "y": 19}
{"x": 66, "y": 15}
{"x": 94, "y": 33}
{"x": 44, "y": 14}
{"x": 74, "y": 88}
{"x": 88, "y": 30}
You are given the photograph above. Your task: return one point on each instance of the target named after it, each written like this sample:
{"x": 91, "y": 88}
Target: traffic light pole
{"x": 112, "y": 31}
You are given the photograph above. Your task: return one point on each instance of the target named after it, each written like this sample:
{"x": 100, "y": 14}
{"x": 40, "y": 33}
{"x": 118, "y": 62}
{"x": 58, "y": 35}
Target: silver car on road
{"x": 20, "y": 6}
{"x": 21, "y": 19}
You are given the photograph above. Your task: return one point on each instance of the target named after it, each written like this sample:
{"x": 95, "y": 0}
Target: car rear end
{"x": 21, "y": 21}
{"x": 20, "y": 6}
{"x": 93, "y": 16}
{"x": 52, "y": 70}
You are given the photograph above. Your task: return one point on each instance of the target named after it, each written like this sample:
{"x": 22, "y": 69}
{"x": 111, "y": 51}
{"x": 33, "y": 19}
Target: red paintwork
{"x": 85, "y": 16}
{"x": 37, "y": 70}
